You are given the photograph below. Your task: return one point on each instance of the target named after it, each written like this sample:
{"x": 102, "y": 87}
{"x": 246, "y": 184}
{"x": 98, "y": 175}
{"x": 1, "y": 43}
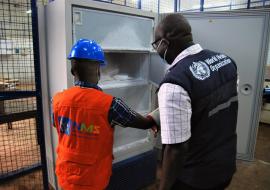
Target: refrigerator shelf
{"x": 122, "y": 83}
{"x": 122, "y": 152}
{"x": 110, "y": 50}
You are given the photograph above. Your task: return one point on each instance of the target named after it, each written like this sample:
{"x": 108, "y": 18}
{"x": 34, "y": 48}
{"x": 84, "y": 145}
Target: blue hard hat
{"x": 87, "y": 49}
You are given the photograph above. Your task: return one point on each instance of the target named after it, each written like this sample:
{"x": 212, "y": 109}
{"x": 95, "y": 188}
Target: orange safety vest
{"x": 85, "y": 137}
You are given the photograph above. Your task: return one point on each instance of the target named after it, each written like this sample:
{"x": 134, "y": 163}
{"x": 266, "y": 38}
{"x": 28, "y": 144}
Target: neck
{"x": 185, "y": 46}
{"x": 88, "y": 80}
{"x": 178, "y": 51}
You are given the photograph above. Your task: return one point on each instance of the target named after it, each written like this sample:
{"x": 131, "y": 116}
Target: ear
{"x": 72, "y": 71}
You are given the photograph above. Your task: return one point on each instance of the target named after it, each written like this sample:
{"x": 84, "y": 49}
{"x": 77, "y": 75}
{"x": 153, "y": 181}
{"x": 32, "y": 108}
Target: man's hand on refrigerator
{"x": 154, "y": 116}
{"x": 155, "y": 130}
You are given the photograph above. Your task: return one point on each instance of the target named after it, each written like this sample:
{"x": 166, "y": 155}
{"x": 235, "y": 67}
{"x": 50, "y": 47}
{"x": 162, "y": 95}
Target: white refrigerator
{"x": 134, "y": 71}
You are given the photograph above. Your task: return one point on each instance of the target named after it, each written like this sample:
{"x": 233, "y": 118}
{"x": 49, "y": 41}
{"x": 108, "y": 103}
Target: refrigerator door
{"x": 244, "y": 37}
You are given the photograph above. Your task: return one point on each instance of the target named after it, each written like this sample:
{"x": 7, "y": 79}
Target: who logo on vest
{"x": 200, "y": 70}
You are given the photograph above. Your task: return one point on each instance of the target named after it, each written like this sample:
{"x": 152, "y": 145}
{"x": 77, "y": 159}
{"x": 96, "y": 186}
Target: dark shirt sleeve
{"x": 120, "y": 114}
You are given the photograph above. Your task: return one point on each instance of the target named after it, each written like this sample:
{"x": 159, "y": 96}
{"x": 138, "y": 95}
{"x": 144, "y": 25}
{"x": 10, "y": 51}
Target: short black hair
{"x": 176, "y": 28}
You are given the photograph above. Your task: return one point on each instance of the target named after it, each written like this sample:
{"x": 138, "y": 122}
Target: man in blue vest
{"x": 198, "y": 110}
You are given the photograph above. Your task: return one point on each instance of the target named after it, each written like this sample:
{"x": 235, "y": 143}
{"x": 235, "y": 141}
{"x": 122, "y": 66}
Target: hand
{"x": 155, "y": 116}
{"x": 155, "y": 127}
{"x": 155, "y": 130}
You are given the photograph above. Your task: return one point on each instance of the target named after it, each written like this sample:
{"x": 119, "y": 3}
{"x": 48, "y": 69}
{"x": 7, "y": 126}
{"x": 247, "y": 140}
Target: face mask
{"x": 159, "y": 44}
{"x": 164, "y": 55}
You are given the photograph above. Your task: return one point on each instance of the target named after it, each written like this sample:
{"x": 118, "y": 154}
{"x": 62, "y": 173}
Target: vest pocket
{"x": 94, "y": 174}
{"x": 77, "y": 174}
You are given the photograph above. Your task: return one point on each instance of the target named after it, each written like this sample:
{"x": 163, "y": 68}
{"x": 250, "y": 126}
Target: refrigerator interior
{"x": 126, "y": 40}
{"x": 126, "y": 77}
{"x": 124, "y": 69}
{"x": 113, "y": 31}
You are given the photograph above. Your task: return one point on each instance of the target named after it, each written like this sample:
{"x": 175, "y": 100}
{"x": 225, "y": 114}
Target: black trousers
{"x": 178, "y": 185}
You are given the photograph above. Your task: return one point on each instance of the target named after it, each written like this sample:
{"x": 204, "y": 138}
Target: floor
{"x": 253, "y": 175}
{"x": 32, "y": 181}
{"x": 19, "y": 150}
{"x": 249, "y": 176}
{"x": 18, "y": 146}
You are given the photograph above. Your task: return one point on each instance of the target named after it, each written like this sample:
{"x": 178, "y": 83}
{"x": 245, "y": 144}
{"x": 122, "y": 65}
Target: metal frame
{"x": 8, "y": 118}
{"x": 248, "y": 4}
{"x": 202, "y": 8}
{"x": 10, "y": 95}
{"x": 158, "y": 6}
{"x": 178, "y": 2}
{"x": 21, "y": 172}
{"x": 37, "y": 114}
{"x": 39, "y": 117}
{"x": 201, "y": 5}
{"x": 139, "y": 4}
{"x": 45, "y": 95}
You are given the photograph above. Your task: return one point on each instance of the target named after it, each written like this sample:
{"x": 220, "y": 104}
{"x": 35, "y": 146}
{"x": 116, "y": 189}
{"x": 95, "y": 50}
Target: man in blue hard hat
{"x": 85, "y": 117}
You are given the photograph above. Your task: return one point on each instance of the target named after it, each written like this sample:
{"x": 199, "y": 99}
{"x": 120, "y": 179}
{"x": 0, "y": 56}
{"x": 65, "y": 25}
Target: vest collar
{"x": 191, "y": 50}
{"x": 83, "y": 84}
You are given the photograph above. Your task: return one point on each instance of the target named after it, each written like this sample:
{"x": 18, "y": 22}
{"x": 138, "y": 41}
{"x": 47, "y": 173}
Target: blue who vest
{"x": 210, "y": 78}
